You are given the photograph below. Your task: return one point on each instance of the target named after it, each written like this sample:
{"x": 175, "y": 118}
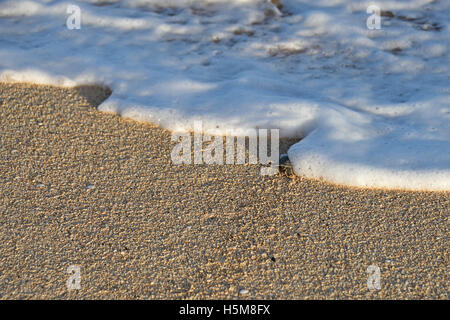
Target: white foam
{"x": 373, "y": 105}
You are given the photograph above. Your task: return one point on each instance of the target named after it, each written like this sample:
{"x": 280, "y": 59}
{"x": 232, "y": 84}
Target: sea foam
{"x": 372, "y": 106}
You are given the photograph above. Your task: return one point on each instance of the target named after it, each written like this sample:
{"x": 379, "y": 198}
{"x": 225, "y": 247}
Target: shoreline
{"x": 94, "y": 95}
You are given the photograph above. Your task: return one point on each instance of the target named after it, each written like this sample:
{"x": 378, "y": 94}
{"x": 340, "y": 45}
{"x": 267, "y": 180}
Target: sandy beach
{"x": 91, "y": 189}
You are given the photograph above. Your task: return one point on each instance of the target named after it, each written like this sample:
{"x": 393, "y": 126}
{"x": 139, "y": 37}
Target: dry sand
{"x": 81, "y": 187}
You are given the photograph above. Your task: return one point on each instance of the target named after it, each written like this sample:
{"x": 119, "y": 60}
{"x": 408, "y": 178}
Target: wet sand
{"x": 81, "y": 187}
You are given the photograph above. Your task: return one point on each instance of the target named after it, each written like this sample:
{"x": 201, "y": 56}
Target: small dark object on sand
{"x": 285, "y": 165}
